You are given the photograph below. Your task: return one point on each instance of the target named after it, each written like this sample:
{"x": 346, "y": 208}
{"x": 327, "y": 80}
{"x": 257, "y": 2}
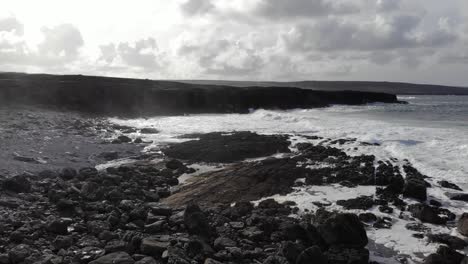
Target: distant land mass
{"x": 137, "y": 97}
{"x": 364, "y": 86}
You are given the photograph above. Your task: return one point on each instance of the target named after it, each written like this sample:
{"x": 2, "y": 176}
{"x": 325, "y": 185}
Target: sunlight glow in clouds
{"x": 422, "y": 41}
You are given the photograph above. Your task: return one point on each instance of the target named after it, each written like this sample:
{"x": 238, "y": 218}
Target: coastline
{"x": 72, "y": 199}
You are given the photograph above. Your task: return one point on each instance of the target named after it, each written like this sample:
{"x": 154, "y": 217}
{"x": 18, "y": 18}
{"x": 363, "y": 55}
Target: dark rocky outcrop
{"x": 228, "y": 147}
{"x": 462, "y": 225}
{"x": 116, "y": 96}
{"x": 415, "y": 185}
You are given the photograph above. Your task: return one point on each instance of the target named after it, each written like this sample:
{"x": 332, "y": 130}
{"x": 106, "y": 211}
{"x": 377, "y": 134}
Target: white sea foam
{"x": 436, "y": 151}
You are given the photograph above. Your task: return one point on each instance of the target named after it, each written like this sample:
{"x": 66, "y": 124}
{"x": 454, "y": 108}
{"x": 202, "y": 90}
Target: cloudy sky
{"x": 424, "y": 41}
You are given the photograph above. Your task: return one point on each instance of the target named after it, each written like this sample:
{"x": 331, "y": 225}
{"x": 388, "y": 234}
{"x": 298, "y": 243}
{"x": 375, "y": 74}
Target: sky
{"x": 422, "y": 41}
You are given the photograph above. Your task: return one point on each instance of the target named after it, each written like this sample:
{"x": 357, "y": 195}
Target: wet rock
{"x": 415, "y": 186}
{"x": 19, "y": 253}
{"x": 62, "y": 242}
{"x": 242, "y": 182}
{"x": 159, "y": 209}
{"x": 312, "y": 255}
{"x": 174, "y": 164}
{"x": 449, "y": 185}
{"x": 153, "y": 247}
{"x": 114, "y": 258}
{"x": 18, "y": 184}
{"x": 110, "y": 155}
{"x": 451, "y": 241}
{"x": 68, "y": 173}
{"x": 115, "y": 246}
{"x": 386, "y": 209}
{"x": 211, "y": 261}
{"x": 149, "y": 130}
{"x": 460, "y": 197}
{"x": 58, "y": 226}
{"x": 367, "y": 217}
{"x": 348, "y": 255}
{"x": 96, "y": 227}
{"x": 275, "y": 260}
{"x": 195, "y": 221}
{"x": 122, "y": 139}
{"x": 228, "y": 147}
{"x": 418, "y": 227}
{"x": 343, "y": 230}
{"x": 147, "y": 260}
{"x": 362, "y": 202}
{"x": 224, "y": 242}
{"x": 426, "y": 214}
{"x": 155, "y": 227}
{"x": 444, "y": 255}
{"x": 291, "y": 250}
{"x": 85, "y": 173}
{"x": 462, "y": 225}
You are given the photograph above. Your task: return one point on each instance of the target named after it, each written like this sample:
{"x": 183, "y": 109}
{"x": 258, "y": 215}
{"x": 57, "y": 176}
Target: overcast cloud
{"x": 423, "y": 41}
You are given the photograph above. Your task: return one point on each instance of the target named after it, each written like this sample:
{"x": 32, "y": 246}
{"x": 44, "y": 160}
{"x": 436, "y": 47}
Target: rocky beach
{"x": 78, "y": 187}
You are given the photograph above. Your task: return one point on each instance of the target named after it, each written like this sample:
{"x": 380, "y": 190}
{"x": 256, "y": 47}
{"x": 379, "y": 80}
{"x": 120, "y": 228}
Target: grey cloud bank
{"x": 417, "y": 41}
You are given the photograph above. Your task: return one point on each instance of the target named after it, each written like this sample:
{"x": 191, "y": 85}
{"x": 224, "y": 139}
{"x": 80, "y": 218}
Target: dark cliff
{"x": 130, "y": 97}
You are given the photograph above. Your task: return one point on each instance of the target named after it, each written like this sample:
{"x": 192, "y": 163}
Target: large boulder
{"x": 427, "y": 214}
{"x": 344, "y": 230}
{"x": 153, "y": 246}
{"x": 462, "y": 225}
{"x": 196, "y": 222}
{"x": 312, "y": 255}
{"x": 415, "y": 185}
{"x": 444, "y": 255}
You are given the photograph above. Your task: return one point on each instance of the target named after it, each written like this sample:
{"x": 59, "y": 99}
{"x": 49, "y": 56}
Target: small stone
{"x": 114, "y": 258}
{"x": 224, "y": 242}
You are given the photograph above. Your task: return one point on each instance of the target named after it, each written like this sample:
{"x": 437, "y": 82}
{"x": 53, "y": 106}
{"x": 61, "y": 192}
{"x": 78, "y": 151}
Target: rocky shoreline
{"x": 136, "y": 211}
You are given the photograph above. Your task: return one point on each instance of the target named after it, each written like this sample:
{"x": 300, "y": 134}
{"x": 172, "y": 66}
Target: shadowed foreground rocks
{"x": 132, "y": 97}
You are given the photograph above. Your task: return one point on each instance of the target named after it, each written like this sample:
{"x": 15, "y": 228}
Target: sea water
{"x": 430, "y": 131}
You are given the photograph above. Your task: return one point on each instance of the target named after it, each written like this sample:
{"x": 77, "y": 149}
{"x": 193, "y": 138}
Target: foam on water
{"x": 436, "y": 150}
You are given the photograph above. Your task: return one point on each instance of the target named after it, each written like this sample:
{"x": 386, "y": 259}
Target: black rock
{"x": 451, "y": 241}
{"x": 415, "y": 186}
{"x": 449, "y": 185}
{"x": 462, "y": 225}
{"x": 58, "y": 226}
{"x": 347, "y": 255}
{"x": 291, "y": 250}
{"x": 152, "y": 246}
{"x": 19, "y": 253}
{"x": 426, "y": 214}
{"x": 196, "y": 222}
{"x": 444, "y": 255}
{"x": 228, "y": 147}
{"x": 68, "y": 173}
{"x": 343, "y": 230}
{"x": 460, "y": 197}
{"x": 174, "y": 164}
{"x": 19, "y": 184}
{"x": 147, "y": 260}
{"x": 149, "y": 130}
{"x": 114, "y": 258}
{"x": 312, "y": 255}
{"x": 367, "y": 217}
{"x": 362, "y": 202}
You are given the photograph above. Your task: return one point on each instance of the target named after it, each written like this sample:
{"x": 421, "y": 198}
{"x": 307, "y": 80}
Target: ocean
{"x": 430, "y": 131}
